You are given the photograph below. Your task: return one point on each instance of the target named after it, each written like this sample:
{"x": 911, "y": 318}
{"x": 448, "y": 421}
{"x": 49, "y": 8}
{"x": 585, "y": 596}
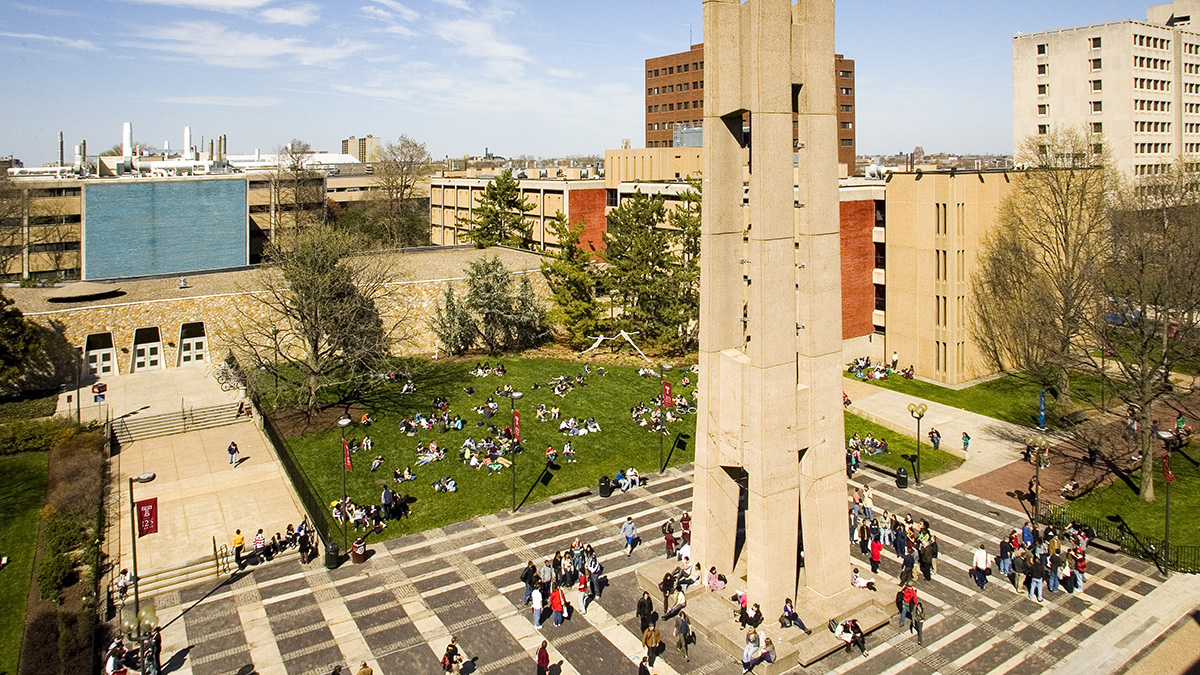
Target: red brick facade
{"x": 858, "y": 263}
{"x": 589, "y": 206}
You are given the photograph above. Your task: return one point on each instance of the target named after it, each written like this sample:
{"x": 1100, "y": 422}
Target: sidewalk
{"x": 994, "y": 443}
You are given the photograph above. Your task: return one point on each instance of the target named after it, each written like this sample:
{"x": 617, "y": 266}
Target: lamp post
{"x": 512, "y": 467}
{"x": 918, "y": 410}
{"x": 1042, "y": 447}
{"x": 662, "y": 412}
{"x": 343, "y": 423}
{"x": 1168, "y": 445}
{"x": 133, "y": 534}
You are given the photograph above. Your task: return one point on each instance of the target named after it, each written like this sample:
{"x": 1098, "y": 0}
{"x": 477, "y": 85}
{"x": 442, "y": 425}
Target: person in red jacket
{"x": 543, "y": 659}
{"x": 876, "y": 552}
{"x": 557, "y": 601}
{"x": 584, "y": 588}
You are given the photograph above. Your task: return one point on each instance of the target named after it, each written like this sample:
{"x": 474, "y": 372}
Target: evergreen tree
{"x": 500, "y": 215}
{"x": 641, "y": 268}
{"x": 686, "y": 220}
{"x": 572, "y": 283}
{"x": 452, "y": 324}
{"x": 18, "y": 343}
{"x": 490, "y": 298}
{"x": 529, "y": 318}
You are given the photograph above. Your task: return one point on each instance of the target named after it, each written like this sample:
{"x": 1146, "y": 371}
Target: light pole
{"x": 343, "y": 423}
{"x": 133, "y": 534}
{"x": 917, "y": 410}
{"x": 512, "y": 466}
{"x": 662, "y": 413}
{"x": 1042, "y": 448}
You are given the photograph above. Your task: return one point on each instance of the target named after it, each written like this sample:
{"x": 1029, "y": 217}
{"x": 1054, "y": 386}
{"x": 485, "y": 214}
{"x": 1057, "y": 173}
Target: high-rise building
{"x": 365, "y": 149}
{"x": 675, "y": 100}
{"x": 1135, "y": 83}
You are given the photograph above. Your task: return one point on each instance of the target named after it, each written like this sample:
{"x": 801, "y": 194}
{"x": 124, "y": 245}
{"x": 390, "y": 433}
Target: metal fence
{"x": 1176, "y": 558}
{"x": 313, "y": 507}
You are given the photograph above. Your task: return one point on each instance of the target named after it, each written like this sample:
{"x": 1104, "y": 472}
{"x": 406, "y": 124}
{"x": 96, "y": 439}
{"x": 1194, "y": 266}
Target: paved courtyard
{"x": 398, "y": 610}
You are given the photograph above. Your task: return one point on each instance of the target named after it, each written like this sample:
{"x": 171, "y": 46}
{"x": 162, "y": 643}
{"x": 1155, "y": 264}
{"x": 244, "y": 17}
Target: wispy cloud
{"x": 211, "y": 5}
{"x": 563, "y": 72}
{"x": 303, "y": 14}
{"x": 54, "y": 40}
{"x": 225, "y": 101}
{"x": 215, "y": 44}
{"x": 47, "y": 11}
{"x": 404, "y": 12}
{"x": 478, "y": 39}
{"x": 457, "y": 4}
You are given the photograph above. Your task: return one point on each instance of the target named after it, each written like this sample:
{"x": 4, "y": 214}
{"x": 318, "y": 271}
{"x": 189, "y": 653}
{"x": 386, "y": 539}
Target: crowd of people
{"x": 1037, "y": 560}
{"x": 263, "y": 547}
{"x": 546, "y": 586}
{"x": 863, "y": 369}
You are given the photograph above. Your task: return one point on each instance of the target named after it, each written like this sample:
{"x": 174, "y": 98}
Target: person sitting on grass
{"x": 377, "y": 462}
{"x": 569, "y": 452}
{"x": 403, "y": 476}
{"x": 409, "y": 388}
{"x": 551, "y": 454}
{"x": 365, "y": 420}
{"x": 593, "y": 427}
{"x": 493, "y": 465}
{"x": 540, "y": 412}
{"x": 445, "y": 484}
{"x": 500, "y": 370}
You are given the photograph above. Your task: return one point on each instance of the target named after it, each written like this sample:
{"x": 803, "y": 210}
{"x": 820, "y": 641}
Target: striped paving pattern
{"x": 398, "y": 610}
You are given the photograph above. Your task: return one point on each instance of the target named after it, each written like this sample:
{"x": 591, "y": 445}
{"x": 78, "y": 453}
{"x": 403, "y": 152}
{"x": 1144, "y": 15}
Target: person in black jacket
{"x": 530, "y": 577}
{"x": 645, "y": 611}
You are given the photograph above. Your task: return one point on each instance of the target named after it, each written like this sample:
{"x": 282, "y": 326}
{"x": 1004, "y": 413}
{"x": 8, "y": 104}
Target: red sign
{"x": 147, "y": 516}
{"x": 1166, "y": 460}
{"x": 346, "y": 454}
{"x": 667, "y": 398}
{"x": 517, "y": 425}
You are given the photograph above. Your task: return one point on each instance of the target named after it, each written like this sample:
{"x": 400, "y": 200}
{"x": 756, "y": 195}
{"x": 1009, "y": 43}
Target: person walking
{"x": 536, "y": 602}
{"x": 529, "y": 576}
{"x": 629, "y": 531}
{"x": 645, "y": 610}
{"x": 643, "y": 669}
{"x": 239, "y": 545}
{"x": 583, "y": 588}
{"x": 876, "y": 553}
{"x": 966, "y": 442}
{"x": 980, "y": 567}
{"x": 233, "y": 453}
{"x": 652, "y": 640}
{"x": 1037, "y": 577}
{"x": 452, "y": 659}
{"x": 543, "y": 660}
{"x": 683, "y": 634}
{"x": 925, "y": 558}
{"x": 935, "y": 438}
{"x": 918, "y": 622}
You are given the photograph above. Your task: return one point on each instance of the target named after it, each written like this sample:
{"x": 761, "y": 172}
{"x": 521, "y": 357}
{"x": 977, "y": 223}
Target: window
{"x": 846, "y": 108}
{"x": 1043, "y": 129}
{"x": 846, "y": 125}
{"x": 1043, "y": 69}
{"x": 1097, "y": 85}
{"x": 1095, "y": 64}
{"x": 683, "y": 68}
{"x": 1041, "y": 49}
{"x": 1095, "y": 43}
{"x": 880, "y": 298}
{"x": 847, "y": 91}
{"x": 1097, "y": 106}
{"x": 1043, "y": 109}
{"x": 845, "y": 73}
{"x": 847, "y": 141}
{"x": 1043, "y": 89}
{"x": 880, "y": 255}
{"x": 1097, "y": 127}
{"x": 671, "y": 70}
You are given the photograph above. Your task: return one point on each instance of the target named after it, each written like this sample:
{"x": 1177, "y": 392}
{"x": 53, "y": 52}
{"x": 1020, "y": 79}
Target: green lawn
{"x": 29, "y": 405}
{"x": 902, "y": 450}
{"x": 1007, "y": 398}
{"x": 621, "y": 443}
{"x": 22, "y": 488}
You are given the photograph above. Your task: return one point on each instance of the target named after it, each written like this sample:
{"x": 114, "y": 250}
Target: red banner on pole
{"x": 667, "y": 399}
{"x": 1166, "y": 462}
{"x": 147, "y": 516}
{"x": 517, "y": 425}
{"x": 346, "y": 454}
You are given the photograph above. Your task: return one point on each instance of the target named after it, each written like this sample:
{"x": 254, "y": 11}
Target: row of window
{"x": 1150, "y": 63}
{"x": 670, "y": 70}
{"x": 942, "y": 358}
{"x": 1151, "y": 42}
{"x": 1154, "y": 127}
{"x": 656, "y": 126}
{"x": 1150, "y": 169}
{"x": 845, "y": 74}
{"x": 1151, "y": 85}
{"x": 1191, "y": 148}
{"x": 672, "y": 88}
{"x": 1191, "y": 108}
{"x": 1152, "y": 106}
{"x": 1192, "y": 68}
{"x": 1043, "y": 109}
{"x": 1097, "y": 128}
{"x": 1190, "y": 48}
{"x": 671, "y": 107}
{"x": 1191, "y": 128}
{"x": 1191, "y": 88}
{"x": 1044, "y": 48}
{"x": 1151, "y": 148}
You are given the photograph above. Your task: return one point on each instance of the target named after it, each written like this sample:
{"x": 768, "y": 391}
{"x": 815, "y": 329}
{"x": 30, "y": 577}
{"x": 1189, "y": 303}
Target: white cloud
{"x": 457, "y": 4}
{"x": 401, "y": 30}
{"x": 404, "y": 11}
{"x": 211, "y": 5}
{"x": 225, "y": 101}
{"x": 478, "y": 39}
{"x": 563, "y": 72}
{"x": 376, "y": 13}
{"x": 215, "y": 44}
{"x": 54, "y": 40}
{"x": 303, "y": 14}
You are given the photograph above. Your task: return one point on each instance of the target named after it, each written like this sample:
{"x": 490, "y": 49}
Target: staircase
{"x": 137, "y": 428}
{"x": 199, "y": 571}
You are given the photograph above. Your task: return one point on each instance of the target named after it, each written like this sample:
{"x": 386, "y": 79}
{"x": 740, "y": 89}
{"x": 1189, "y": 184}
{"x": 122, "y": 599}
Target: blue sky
{"x": 536, "y": 77}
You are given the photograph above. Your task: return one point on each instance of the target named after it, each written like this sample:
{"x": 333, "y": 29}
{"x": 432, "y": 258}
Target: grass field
{"x": 620, "y": 444}
{"x": 902, "y": 450}
{"x": 1008, "y": 398}
{"x": 22, "y": 488}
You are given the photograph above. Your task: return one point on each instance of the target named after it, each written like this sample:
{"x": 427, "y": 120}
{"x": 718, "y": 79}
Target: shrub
{"x": 53, "y": 573}
{"x": 33, "y": 435}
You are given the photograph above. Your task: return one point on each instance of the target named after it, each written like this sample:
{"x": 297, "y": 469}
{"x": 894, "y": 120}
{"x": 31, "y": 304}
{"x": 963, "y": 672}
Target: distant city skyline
{"x": 516, "y": 77}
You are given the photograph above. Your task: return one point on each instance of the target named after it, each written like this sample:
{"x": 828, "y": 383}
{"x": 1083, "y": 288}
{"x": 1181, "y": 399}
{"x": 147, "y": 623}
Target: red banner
{"x": 147, "y": 516}
{"x": 517, "y": 425}
{"x": 667, "y": 399}
{"x": 346, "y": 454}
{"x": 1166, "y": 461}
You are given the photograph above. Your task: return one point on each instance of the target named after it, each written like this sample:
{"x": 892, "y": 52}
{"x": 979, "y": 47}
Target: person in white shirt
{"x": 980, "y": 565}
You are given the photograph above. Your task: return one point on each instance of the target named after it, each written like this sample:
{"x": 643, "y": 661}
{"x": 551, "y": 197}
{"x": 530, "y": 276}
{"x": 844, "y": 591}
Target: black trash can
{"x": 902, "y": 478}
{"x": 332, "y": 556}
{"x": 606, "y": 487}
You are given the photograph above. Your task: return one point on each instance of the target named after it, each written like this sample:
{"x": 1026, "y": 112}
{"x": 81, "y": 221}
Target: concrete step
{"x": 135, "y": 428}
{"x": 203, "y": 574}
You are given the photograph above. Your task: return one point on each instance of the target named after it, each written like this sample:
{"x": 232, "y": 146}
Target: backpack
{"x": 833, "y": 625}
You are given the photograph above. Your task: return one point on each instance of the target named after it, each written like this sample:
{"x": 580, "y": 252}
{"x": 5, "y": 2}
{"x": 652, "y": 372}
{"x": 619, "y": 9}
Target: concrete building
{"x": 1134, "y": 83}
{"x": 365, "y": 150}
{"x": 675, "y": 101}
{"x": 935, "y": 225}
{"x": 452, "y": 203}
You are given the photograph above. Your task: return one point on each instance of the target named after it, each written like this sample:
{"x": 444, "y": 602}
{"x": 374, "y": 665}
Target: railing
{"x": 312, "y": 504}
{"x": 1177, "y": 558}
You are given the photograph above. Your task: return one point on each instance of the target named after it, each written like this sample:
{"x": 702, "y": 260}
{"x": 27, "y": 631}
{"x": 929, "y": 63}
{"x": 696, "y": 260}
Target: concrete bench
{"x": 822, "y": 643}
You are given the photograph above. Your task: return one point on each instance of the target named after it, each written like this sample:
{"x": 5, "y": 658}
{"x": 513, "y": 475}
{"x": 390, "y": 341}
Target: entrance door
{"x": 147, "y": 349}
{"x": 192, "y": 342}
{"x": 100, "y": 355}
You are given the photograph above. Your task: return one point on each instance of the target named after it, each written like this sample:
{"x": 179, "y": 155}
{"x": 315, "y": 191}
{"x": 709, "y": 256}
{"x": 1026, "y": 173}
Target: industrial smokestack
{"x": 187, "y": 142}
{"x": 211, "y": 156}
{"x": 60, "y": 148}
{"x": 166, "y": 148}
{"x": 127, "y": 141}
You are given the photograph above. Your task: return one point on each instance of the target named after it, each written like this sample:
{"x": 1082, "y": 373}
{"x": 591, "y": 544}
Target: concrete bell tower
{"x": 770, "y": 471}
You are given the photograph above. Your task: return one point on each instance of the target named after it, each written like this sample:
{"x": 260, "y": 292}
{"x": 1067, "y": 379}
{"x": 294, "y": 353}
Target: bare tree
{"x": 397, "y": 174}
{"x": 1037, "y": 273}
{"x": 14, "y": 204}
{"x": 1145, "y": 320}
{"x": 297, "y": 189}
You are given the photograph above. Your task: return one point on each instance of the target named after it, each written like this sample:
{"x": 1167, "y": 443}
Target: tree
{"x": 490, "y": 298}
{"x": 398, "y": 170}
{"x": 14, "y": 205}
{"x": 1145, "y": 320}
{"x": 499, "y": 218}
{"x": 640, "y": 268}
{"x": 19, "y": 343}
{"x": 1037, "y": 271}
{"x": 568, "y": 272}
{"x": 297, "y": 190}
{"x": 452, "y": 324}
{"x": 686, "y": 221}
{"x": 529, "y": 318}
{"x": 321, "y": 326}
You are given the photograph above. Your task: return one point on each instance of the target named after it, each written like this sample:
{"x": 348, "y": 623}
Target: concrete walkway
{"x": 994, "y": 443}
{"x": 151, "y": 392}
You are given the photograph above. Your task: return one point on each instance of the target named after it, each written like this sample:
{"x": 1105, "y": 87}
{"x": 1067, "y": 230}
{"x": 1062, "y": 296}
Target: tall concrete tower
{"x": 770, "y": 473}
